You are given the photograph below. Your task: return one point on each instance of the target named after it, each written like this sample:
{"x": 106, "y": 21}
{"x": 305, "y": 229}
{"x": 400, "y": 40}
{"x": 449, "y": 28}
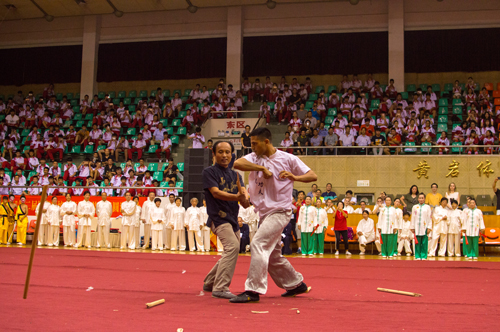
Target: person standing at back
{"x": 273, "y": 173}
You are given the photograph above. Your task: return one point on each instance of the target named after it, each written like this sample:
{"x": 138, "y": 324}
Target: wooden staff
{"x": 35, "y": 238}
{"x": 155, "y": 303}
{"x": 393, "y": 291}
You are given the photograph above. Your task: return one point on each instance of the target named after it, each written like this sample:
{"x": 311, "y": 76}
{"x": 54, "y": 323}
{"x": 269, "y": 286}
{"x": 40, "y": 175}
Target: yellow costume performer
{"x": 4, "y": 223}
{"x": 22, "y": 225}
{"x": 11, "y": 223}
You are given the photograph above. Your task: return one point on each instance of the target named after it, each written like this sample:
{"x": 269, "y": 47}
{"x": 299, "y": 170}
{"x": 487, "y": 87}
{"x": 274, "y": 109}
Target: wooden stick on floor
{"x": 35, "y": 240}
{"x": 393, "y": 291}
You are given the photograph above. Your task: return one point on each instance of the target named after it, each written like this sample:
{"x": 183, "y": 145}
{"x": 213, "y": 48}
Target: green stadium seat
{"x": 131, "y": 109}
{"x": 443, "y": 119}
{"x": 152, "y": 148}
{"x": 188, "y": 106}
{"x": 411, "y": 88}
{"x": 442, "y": 127}
{"x": 153, "y": 93}
{"x": 410, "y": 150}
{"x": 37, "y": 97}
{"x": 175, "y": 139}
{"x": 122, "y": 165}
{"x": 181, "y": 115}
{"x": 455, "y": 149}
{"x": 69, "y": 96}
{"x": 76, "y": 149}
{"x": 164, "y": 122}
{"x": 112, "y": 94}
{"x": 116, "y": 101}
{"x": 76, "y": 109}
{"x": 329, "y": 120}
{"x": 462, "y": 85}
{"x": 24, "y": 140}
{"x": 179, "y": 184}
{"x": 166, "y": 93}
{"x": 457, "y": 110}
{"x": 245, "y": 99}
{"x": 375, "y": 103}
{"x": 135, "y": 165}
{"x": 77, "y": 117}
{"x": 143, "y": 94}
{"x": 309, "y": 104}
{"x": 331, "y": 88}
{"x": 448, "y": 87}
{"x": 425, "y": 150}
{"x": 77, "y": 95}
{"x": 181, "y": 131}
{"x": 158, "y": 176}
{"x": 313, "y": 96}
{"x": 59, "y": 96}
{"x": 122, "y": 94}
{"x": 74, "y": 102}
{"x": 137, "y": 100}
{"x": 187, "y": 92}
{"x": 131, "y": 131}
{"x": 170, "y": 131}
{"x": 443, "y": 102}
{"x": 176, "y": 122}
{"x": 423, "y": 87}
{"x": 89, "y": 116}
{"x": 26, "y": 147}
{"x": 127, "y": 101}
{"x": 436, "y": 87}
{"x": 101, "y": 147}
{"x": 456, "y": 102}
{"x": 404, "y": 95}
{"x": 79, "y": 124}
{"x": 180, "y": 166}
{"x": 443, "y": 111}
{"x": 89, "y": 124}
{"x": 383, "y": 87}
{"x": 153, "y": 167}
{"x": 319, "y": 88}
{"x": 272, "y": 103}
{"x": 164, "y": 184}
{"x": 101, "y": 95}
{"x": 89, "y": 149}
{"x": 31, "y": 174}
{"x": 25, "y": 132}
{"x": 132, "y": 94}
{"x": 332, "y": 111}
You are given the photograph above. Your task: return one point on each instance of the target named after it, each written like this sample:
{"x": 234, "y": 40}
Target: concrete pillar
{"x": 91, "y": 34}
{"x": 234, "y": 59}
{"x": 397, "y": 43}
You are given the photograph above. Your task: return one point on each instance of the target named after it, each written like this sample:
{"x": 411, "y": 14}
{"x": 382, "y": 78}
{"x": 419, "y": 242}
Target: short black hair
{"x": 444, "y": 199}
{"x": 157, "y": 200}
{"x": 214, "y": 148}
{"x": 262, "y": 133}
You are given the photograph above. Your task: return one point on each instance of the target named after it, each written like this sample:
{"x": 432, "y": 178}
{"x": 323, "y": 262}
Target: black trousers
{"x": 344, "y": 238}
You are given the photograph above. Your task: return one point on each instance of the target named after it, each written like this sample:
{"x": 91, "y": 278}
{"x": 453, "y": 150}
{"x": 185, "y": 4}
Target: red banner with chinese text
{"x": 32, "y": 202}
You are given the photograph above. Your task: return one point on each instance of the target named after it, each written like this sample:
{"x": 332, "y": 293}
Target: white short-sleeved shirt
{"x": 273, "y": 194}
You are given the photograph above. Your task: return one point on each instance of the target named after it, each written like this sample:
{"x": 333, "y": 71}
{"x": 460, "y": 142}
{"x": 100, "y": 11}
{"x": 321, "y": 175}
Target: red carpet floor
{"x": 456, "y": 295}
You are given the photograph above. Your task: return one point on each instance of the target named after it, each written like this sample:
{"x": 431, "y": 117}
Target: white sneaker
{"x": 19, "y": 243}
{"x": 408, "y": 254}
{"x": 109, "y": 246}
{"x": 50, "y": 244}
{"x": 348, "y": 253}
{"x": 468, "y": 258}
{"x": 161, "y": 249}
{"x": 399, "y": 254}
{"x": 8, "y": 242}
{"x": 474, "y": 258}
{"x": 336, "y": 253}
{"x": 303, "y": 254}
{"x": 76, "y": 246}
{"x": 458, "y": 255}
{"x": 89, "y": 247}
{"x": 418, "y": 259}
{"x": 361, "y": 253}
{"x": 98, "y": 246}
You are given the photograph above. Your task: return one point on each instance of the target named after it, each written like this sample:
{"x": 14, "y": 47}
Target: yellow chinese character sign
{"x": 422, "y": 169}
{"x": 484, "y": 168}
{"x": 453, "y": 169}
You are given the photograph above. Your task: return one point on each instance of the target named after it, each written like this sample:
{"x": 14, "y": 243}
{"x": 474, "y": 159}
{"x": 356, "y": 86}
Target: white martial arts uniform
{"x": 128, "y": 224}
{"x": 68, "y": 221}
{"x": 439, "y": 231}
{"x": 405, "y": 237}
{"x": 176, "y": 221}
{"x": 252, "y": 219}
{"x": 307, "y": 218}
{"x": 472, "y": 221}
{"x": 454, "y": 230}
{"x": 146, "y": 208}
{"x": 322, "y": 220}
{"x": 360, "y": 211}
{"x": 367, "y": 228}
{"x": 84, "y": 223}
{"x": 43, "y": 232}
{"x": 205, "y": 231}
{"x": 421, "y": 219}
{"x": 54, "y": 220}
{"x": 104, "y": 209}
{"x": 167, "y": 229}
{"x": 193, "y": 221}
{"x": 156, "y": 214}
{"x": 137, "y": 226}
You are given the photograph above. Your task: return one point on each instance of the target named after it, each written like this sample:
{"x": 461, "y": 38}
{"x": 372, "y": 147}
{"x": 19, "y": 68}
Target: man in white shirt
{"x": 104, "y": 209}
{"x": 85, "y": 211}
{"x": 346, "y": 139}
{"x": 198, "y": 139}
{"x": 147, "y": 207}
{"x": 137, "y": 146}
{"x": 273, "y": 173}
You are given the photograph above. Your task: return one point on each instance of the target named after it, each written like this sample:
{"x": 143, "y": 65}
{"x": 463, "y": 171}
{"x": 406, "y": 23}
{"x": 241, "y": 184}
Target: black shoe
{"x": 246, "y": 297}
{"x": 207, "y": 288}
{"x": 296, "y": 291}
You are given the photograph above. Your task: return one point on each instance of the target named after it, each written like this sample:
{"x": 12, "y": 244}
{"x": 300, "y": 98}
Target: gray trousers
{"x": 266, "y": 256}
{"x": 222, "y": 273}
